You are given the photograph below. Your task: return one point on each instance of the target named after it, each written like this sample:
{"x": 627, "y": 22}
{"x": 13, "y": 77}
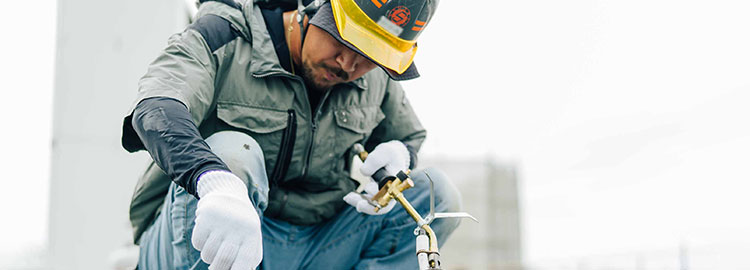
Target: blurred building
{"x": 103, "y": 48}
{"x": 490, "y": 193}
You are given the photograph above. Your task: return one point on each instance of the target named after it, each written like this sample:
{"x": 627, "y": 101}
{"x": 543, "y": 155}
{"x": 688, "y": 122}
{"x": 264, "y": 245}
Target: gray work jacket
{"x": 233, "y": 81}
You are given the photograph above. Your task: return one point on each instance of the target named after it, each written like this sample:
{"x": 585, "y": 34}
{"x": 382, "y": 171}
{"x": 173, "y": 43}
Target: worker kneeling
{"x": 281, "y": 98}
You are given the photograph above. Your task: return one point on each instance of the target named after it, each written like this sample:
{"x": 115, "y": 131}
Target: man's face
{"x": 326, "y": 62}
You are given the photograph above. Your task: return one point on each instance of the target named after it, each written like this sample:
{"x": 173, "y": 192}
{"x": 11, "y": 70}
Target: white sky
{"x": 628, "y": 118}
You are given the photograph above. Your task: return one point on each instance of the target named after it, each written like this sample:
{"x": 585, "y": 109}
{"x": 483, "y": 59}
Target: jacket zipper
{"x": 313, "y": 127}
{"x": 286, "y": 149}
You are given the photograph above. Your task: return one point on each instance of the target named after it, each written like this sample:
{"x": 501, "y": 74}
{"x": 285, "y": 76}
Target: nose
{"x": 348, "y": 60}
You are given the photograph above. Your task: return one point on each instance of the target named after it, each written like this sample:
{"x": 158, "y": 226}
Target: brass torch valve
{"x": 392, "y": 188}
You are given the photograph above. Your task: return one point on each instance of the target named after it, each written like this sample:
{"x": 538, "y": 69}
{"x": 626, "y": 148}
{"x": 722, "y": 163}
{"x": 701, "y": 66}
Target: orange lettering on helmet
{"x": 399, "y": 15}
{"x": 418, "y": 25}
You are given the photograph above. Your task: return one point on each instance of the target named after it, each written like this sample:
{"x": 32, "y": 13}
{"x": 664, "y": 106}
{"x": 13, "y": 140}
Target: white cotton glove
{"x": 392, "y": 155}
{"x": 362, "y": 202}
{"x": 227, "y": 227}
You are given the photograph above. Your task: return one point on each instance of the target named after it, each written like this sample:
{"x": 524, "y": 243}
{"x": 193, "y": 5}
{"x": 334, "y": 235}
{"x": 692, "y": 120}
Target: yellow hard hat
{"x": 384, "y": 31}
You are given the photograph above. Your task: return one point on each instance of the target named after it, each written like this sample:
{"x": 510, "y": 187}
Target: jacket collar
{"x": 264, "y": 61}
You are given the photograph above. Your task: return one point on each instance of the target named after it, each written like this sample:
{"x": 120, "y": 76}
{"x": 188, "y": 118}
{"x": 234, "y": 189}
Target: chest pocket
{"x": 359, "y": 120}
{"x": 274, "y": 130}
{"x": 354, "y": 125}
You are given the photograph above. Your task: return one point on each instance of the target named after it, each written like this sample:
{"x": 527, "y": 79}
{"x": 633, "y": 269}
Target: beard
{"x": 318, "y": 83}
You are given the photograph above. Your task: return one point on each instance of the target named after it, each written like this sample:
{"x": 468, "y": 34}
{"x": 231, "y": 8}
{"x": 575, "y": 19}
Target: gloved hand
{"x": 361, "y": 202}
{"x": 392, "y": 155}
{"x": 227, "y": 227}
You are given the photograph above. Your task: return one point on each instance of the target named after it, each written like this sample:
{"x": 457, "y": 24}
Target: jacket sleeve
{"x": 400, "y": 123}
{"x": 184, "y": 71}
{"x": 173, "y": 141}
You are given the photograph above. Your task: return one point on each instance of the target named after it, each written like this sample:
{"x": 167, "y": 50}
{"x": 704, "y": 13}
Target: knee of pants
{"x": 244, "y": 157}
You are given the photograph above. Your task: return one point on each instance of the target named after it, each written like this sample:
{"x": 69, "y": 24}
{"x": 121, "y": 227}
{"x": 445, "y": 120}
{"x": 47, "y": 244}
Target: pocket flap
{"x": 359, "y": 119}
{"x": 258, "y": 120}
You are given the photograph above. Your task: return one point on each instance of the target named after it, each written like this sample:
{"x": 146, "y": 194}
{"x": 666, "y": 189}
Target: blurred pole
{"x": 103, "y": 48}
{"x": 503, "y": 221}
{"x": 684, "y": 261}
{"x": 640, "y": 262}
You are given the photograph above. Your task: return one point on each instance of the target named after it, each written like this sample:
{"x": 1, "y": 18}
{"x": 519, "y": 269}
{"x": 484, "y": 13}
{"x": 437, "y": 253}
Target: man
{"x": 280, "y": 100}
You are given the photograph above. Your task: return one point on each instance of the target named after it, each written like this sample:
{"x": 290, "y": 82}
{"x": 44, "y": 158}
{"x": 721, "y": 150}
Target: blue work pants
{"x": 349, "y": 240}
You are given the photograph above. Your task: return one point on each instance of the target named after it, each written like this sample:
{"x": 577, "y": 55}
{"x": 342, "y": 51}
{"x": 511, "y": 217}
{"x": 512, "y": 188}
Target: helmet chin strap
{"x": 303, "y": 10}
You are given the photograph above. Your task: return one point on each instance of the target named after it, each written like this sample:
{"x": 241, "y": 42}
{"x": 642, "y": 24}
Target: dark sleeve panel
{"x": 230, "y": 3}
{"x": 215, "y": 30}
{"x": 168, "y": 132}
{"x": 129, "y": 139}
